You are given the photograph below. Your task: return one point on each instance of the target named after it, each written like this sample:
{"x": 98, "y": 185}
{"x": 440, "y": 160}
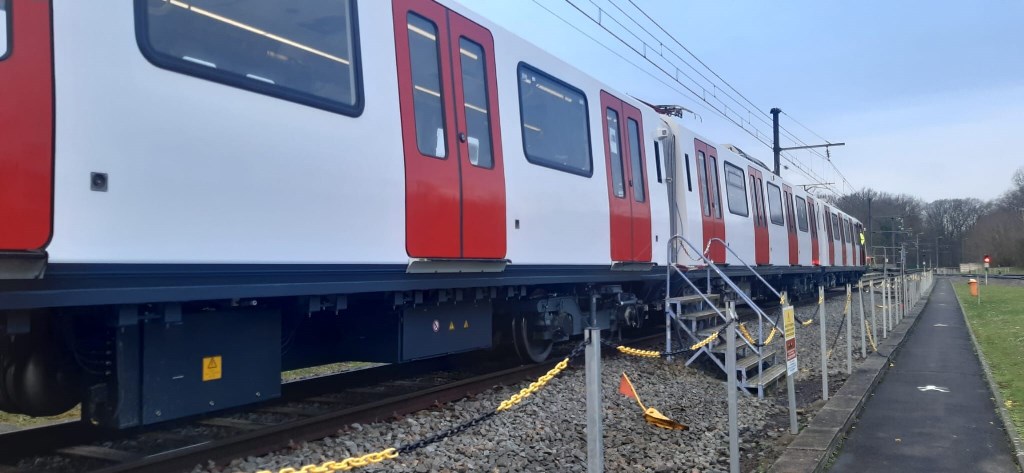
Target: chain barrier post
{"x": 860, "y": 306}
{"x": 794, "y": 426}
{"x": 885, "y": 308}
{"x": 874, "y": 319}
{"x": 731, "y": 388}
{"x": 823, "y": 346}
{"x": 595, "y": 434}
{"x": 848, "y": 315}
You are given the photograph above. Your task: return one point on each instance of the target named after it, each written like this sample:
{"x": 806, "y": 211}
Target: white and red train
{"x": 197, "y": 194}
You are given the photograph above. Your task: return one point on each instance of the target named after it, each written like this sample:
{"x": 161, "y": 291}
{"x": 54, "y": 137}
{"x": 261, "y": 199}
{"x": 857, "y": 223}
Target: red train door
{"x": 812, "y": 217}
{"x": 628, "y": 202}
{"x": 761, "y": 248}
{"x": 454, "y": 173}
{"x": 713, "y": 222}
{"x": 828, "y": 232}
{"x": 26, "y": 126}
{"x": 794, "y": 246}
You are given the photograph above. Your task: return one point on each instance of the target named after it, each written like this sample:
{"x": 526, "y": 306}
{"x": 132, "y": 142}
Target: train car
{"x": 199, "y": 194}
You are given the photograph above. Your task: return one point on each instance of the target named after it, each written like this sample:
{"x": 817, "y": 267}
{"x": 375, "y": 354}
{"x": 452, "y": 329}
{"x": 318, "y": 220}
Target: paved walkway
{"x": 933, "y": 410}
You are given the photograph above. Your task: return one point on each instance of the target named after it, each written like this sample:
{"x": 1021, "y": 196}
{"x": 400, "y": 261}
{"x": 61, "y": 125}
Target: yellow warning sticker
{"x": 451, "y": 325}
{"x": 465, "y": 324}
{"x": 212, "y": 368}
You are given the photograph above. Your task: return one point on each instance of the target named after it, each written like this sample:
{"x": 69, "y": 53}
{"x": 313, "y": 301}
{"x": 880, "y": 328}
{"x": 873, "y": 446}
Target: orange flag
{"x": 627, "y": 389}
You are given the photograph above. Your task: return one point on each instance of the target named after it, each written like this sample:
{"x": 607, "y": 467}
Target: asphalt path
{"x": 933, "y": 410}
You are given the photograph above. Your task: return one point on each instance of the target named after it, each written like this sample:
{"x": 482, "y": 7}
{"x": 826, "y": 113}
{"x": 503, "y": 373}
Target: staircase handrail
{"x": 711, "y": 265}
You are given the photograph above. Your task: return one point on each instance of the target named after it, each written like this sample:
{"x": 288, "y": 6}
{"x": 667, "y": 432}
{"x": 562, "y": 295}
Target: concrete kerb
{"x": 813, "y": 447}
{"x": 1008, "y": 426}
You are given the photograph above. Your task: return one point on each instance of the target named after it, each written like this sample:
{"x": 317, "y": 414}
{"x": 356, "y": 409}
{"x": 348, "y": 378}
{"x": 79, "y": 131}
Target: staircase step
{"x": 692, "y": 298}
{"x": 706, "y": 314}
{"x": 706, "y": 332}
{"x": 768, "y": 376}
{"x": 750, "y": 362}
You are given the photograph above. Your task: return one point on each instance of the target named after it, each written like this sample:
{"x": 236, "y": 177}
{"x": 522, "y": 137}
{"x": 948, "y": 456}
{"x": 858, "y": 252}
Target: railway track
{"x": 377, "y": 396}
{"x": 370, "y": 395}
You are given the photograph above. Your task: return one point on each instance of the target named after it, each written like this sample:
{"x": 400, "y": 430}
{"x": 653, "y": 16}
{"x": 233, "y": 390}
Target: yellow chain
{"x": 700, "y": 344}
{"x": 808, "y": 322}
{"x": 746, "y": 334}
{"x": 534, "y": 386}
{"x": 344, "y": 465}
{"x": 771, "y": 336}
{"x": 638, "y": 352}
{"x": 870, "y": 338}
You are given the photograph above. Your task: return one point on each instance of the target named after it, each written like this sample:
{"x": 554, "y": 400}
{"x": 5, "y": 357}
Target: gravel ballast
{"x": 546, "y": 432}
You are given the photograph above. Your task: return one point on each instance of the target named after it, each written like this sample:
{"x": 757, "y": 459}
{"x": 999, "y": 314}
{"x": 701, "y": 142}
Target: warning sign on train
{"x": 789, "y": 326}
{"x": 211, "y": 368}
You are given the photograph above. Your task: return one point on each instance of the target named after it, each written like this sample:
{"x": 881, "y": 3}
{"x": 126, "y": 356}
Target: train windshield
{"x": 5, "y": 30}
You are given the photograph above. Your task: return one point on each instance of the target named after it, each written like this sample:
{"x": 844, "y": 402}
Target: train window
{"x": 835, "y": 227}
{"x": 474, "y": 91}
{"x": 615, "y": 147}
{"x": 5, "y": 30}
{"x": 801, "y": 214}
{"x": 702, "y": 179}
{"x": 775, "y": 204}
{"x": 304, "y": 52}
{"x": 736, "y": 190}
{"x": 428, "y": 97}
{"x": 556, "y": 132}
{"x": 657, "y": 160}
{"x": 716, "y": 195}
{"x": 636, "y": 160}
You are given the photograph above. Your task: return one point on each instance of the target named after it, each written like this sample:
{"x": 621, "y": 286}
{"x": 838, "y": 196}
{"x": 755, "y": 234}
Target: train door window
{"x": 716, "y": 194}
{"x": 812, "y": 217}
{"x": 5, "y": 30}
{"x": 702, "y": 179}
{"x": 615, "y": 148}
{"x": 474, "y": 90}
{"x": 635, "y": 160}
{"x": 304, "y": 52}
{"x": 736, "y": 190}
{"x": 428, "y": 99}
{"x": 753, "y": 200}
{"x": 775, "y": 204}
{"x": 835, "y": 227}
{"x": 801, "y": 214}
{"x": 556, "y": 130}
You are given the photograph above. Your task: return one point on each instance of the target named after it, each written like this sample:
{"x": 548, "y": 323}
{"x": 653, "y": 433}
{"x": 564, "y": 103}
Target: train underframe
{"x": 136, "y": 364}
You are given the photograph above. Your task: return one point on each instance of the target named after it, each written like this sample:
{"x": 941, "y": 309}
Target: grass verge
{"x": 998, "y": 324}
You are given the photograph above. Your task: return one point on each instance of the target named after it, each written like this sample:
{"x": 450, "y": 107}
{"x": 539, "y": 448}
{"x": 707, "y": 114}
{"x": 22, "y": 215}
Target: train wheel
{"x": 529, "y": 340}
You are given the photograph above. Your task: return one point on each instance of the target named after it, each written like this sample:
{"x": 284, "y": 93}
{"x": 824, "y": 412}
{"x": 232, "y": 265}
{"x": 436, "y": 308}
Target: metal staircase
{"x": 699, "y": 314}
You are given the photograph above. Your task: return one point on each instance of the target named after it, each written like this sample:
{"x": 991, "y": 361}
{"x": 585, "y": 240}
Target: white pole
{"x": 824, "y": 348}
{"x": 731, "y": 387}
{"x": 848, "y": 314}
{"x": 794, "y": 427}
{"x": 595, "y": 434}
{"x": 863, "y": 332}
{"x": 874, "y": 319}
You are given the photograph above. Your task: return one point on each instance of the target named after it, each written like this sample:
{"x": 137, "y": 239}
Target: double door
{"x": 454, "y": 173}
{"x": 762, "y": 250}
{"x": 628, "y": 198}
{"x": 712, "y": 220}
{"x": 794, "y": 246}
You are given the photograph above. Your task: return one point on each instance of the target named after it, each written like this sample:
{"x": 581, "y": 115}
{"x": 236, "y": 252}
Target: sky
{"x": 927, "y": 95}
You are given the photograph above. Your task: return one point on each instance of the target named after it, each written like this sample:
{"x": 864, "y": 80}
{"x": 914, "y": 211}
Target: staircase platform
{"x": 768, "y": 376}
{"x": 692, "y": 298}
